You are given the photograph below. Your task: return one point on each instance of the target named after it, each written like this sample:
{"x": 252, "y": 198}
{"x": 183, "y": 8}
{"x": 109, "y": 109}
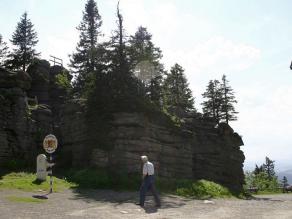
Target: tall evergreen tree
{"x": 88, "y": 52}
{"x": 3, "y": 51}
{"x": 24, "y": 39}
{"x": 213, "y": 100}
{"x": 284, "y": 181}
{"x": 178, "y": 97}
{"x": 258, "y": 169}
{"x": 227, "y": 108}
{"x": 145, "y": 60}
{"x": 269, "y": 167}
{"x": 124, "y": 87}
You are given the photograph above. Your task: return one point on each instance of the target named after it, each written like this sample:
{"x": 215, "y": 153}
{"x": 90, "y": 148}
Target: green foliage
{"x": 203, "y": 189}
{"x": 261, "y": 181}
{"x": 88, "y": 53}
{"x": 3, "y": 51}
{"x": 24, "y": 39}
{"x": 145, "y": 62}
{"x": 213, "y": 102}
{"x": 263, "y": 177}
{"x": 269, "y": 167}
{"x": 178, "y": 97}
{"x": 284, "y": 181}
{"x": 227, "y": 108}
{"x": 63, "y": 81}
{"x": 219, "y": 101}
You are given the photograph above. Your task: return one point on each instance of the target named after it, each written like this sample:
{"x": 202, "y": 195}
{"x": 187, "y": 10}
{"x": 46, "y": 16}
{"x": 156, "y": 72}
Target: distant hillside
{"x": 288, "y": 174}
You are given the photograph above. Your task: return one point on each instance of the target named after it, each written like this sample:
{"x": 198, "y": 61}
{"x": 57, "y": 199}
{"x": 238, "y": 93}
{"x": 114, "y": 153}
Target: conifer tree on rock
{"x": 24, "y": 39}
{"x": 88, "y": 52}
{"x": 145, "y": 60}
{"x": 3, "y": 51}
{"x": 227, "y": 108}
{"x": 124, "y": 87}
{"x": 219, "y": 101}
{"x": 213, "y": 100}
{"x": 178, "y": 98}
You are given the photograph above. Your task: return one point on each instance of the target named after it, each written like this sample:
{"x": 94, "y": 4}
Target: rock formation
{"x": 35, "y": 104}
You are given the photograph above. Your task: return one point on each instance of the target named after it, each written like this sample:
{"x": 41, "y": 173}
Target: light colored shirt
{"x": 148, "y": 168}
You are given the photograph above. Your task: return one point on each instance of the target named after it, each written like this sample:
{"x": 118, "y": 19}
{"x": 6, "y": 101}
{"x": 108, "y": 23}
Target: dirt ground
{"x": 109, "y": 204}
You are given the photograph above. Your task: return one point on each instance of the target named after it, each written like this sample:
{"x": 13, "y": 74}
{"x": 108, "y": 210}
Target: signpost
{"x": 50, "y": 144}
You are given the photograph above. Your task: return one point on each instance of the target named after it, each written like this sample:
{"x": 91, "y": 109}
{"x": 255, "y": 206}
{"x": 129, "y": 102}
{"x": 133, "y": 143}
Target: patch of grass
{"x": 24, "y": 199}
{"x": 27, "y": 182}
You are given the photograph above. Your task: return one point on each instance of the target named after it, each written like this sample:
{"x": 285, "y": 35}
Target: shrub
{"x": 203, "y": 189}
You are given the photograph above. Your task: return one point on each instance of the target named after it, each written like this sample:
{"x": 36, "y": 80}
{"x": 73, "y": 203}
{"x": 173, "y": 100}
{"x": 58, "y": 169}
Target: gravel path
{"x": 109, "y": 204}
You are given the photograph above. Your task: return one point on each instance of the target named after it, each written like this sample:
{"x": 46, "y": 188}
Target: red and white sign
{"x": 50, "y": 143}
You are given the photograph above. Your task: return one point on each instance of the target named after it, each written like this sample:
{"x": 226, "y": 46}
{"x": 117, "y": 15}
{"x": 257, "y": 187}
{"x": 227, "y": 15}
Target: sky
{"x": 248, "y": 41}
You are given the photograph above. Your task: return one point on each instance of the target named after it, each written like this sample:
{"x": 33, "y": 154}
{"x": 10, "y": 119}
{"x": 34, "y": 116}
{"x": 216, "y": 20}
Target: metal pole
{"x": 51, "y": 174}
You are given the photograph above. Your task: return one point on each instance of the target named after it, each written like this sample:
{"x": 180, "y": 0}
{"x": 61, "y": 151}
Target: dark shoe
{"x": 158, "y": 205}
{"x": 140, "y": 205}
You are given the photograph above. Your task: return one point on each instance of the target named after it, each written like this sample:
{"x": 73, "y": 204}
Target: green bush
{"x": 203, "y": 189}
{"x": 261, "y": 181}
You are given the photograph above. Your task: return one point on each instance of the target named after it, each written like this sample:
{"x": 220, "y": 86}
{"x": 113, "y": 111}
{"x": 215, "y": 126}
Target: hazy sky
{"x": 249, "y": 41}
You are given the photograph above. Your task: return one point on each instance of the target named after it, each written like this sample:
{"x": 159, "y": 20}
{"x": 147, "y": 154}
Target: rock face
{"x": 199, "y": 150}
{"x": 13, "y": 114}
{"x": 24, "y": 121}
{"x": 35, "y": 104}
{"x": 216, "y": 153}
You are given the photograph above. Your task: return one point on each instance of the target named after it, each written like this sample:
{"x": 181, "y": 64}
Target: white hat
{"x": 144, "y": 158}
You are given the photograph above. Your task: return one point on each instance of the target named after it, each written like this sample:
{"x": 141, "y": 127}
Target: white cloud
{"x": 216, "y": 54}
{"x": 266, "y": 123}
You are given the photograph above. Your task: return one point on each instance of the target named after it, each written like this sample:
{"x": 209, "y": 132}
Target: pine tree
{"x": 24, "y": 39}
{"x": 124, "y": 87}
{"x": 145, "y": 60}
{"x": 284, "y": 181}
{"x": 178, "y": 97}
{"x": 88, "y": 53}
{"x": 213, "y": 102}
{"x": 258, "y": 169}
{"x": 269, "y": 168}
{"x": 3, "y": 51}
{"x": 227, "y": 108}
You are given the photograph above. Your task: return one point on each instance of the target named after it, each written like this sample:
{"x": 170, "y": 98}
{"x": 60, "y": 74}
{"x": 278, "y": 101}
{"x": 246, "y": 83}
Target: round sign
{"x": 50, "y": 143}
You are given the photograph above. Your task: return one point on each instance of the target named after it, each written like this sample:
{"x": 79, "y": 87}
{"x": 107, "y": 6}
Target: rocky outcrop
{"x": 25, "y": 121}
{"x": 36, "y": 104}
{"x": 14, "y": 137}
{"x": 216, "y": 153}
{"x": 198, "y": 150}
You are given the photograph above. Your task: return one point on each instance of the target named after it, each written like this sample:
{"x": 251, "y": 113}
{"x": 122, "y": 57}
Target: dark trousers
{"x": 148, "y": 184}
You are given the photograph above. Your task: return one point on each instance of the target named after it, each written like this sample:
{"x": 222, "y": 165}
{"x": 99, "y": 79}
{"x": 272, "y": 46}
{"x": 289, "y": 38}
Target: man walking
{"x": 148, "y": 182}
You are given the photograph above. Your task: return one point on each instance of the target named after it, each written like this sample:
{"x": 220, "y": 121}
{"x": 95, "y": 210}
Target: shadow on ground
{"x": 123, "y": 197}
{"x": 266, "y": 199}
